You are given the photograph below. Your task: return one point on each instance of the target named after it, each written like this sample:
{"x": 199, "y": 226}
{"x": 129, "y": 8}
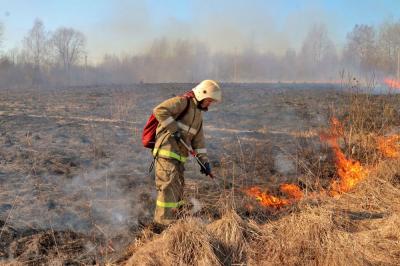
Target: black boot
{"x": 156, "y": 228}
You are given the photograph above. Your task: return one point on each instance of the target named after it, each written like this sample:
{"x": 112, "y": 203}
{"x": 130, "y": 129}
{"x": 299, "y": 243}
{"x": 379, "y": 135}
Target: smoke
{"x": 112, "y": 209}
{"x": 125, "y": 30}
{"x": 94, "y": 202}
{"x": 223, "y": 26}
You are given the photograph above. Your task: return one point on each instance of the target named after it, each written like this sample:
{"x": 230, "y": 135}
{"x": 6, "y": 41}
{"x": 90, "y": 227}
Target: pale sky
{"x": 121, "y": 26}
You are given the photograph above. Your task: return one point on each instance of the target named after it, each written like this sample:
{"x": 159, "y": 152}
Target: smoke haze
{"x": 151, "y": 41}
{"x": 130, "y": 28}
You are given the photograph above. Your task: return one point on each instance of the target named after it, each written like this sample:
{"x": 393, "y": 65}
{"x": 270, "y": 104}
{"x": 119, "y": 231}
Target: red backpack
{"x": 149, "y": 130}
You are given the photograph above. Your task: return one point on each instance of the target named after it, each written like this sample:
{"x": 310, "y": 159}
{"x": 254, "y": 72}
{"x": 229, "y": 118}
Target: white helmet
{"x": 207, "y": 89}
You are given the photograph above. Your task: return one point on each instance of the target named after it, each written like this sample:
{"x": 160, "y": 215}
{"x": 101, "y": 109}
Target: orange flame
{"x": 392, "y": 83}
{"x": 389, "y": 146}
{"x": 267, "y": 200}
{"x": 350, "y": 171}
{"x": 292, "y": 191}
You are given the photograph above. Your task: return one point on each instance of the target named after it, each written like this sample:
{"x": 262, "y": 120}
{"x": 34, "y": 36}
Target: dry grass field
{"x": 306, "y": 175}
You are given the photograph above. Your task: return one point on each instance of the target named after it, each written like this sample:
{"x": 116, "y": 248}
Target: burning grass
{"x": 349, "y": 171}
{"x": 392, "y": 83}
{"x": 359, "y": 228}
{"x": 354, "y": 221}
{"x": 389, "y": 146}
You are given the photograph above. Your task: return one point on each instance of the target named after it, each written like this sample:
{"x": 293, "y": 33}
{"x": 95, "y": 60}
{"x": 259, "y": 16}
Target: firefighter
{"x": 180, "y": 118}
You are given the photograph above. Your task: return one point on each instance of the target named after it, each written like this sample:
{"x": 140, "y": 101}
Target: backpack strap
{"x": 181, "y": 115}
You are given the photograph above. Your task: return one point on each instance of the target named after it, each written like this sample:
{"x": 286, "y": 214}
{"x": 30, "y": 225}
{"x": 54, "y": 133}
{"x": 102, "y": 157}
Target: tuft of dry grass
{"x": 231, "y": 233}
{"x": 185, "y": 243}
{"x": 305, "y": 238}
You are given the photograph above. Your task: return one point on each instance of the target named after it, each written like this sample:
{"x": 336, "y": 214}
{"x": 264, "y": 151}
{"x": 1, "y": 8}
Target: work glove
{"x": 206, "y": 169}
{"x": 177, "y": 136}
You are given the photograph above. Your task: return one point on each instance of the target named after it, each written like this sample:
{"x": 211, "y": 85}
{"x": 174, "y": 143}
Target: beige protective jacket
{"x": 190, "y": 125}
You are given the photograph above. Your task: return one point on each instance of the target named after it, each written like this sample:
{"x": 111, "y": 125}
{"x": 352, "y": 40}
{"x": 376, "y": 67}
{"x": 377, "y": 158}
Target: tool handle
{"x": 194, "y": 154}
{"x": 200, "y": 163}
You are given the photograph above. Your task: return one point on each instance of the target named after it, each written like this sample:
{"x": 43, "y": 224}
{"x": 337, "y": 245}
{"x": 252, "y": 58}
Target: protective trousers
{"x": 169, "y": 183}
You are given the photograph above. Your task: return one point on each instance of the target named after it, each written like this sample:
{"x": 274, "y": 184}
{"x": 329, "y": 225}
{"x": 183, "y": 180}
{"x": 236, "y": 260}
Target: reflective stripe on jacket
{"x": 169, "y": 154}
{"x": 190, "y": 125}
{"x": 170, "y": 204}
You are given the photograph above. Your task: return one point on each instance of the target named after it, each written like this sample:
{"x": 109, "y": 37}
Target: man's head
{"x": 204, "y": 104}
{"x": 207, "y": 92}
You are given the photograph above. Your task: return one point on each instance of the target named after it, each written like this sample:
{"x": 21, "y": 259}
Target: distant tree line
{"x": 45, "y": 58}
{"x": 59, "y": 58}
{"x": 371, "y": 49}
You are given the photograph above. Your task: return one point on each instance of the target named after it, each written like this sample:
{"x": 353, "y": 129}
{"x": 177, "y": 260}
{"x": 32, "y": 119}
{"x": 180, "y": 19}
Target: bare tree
{"x": 36, "y": 49}
{"x": 36, "y": 44}
{"x": 317, "y": 51}
{"x": 317, "y": 43}
{"x": 389, "y": 46}
{"x": 13, "y": 55}
{"x": 360, "y": 49}
{"x": 69, "y": 46}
